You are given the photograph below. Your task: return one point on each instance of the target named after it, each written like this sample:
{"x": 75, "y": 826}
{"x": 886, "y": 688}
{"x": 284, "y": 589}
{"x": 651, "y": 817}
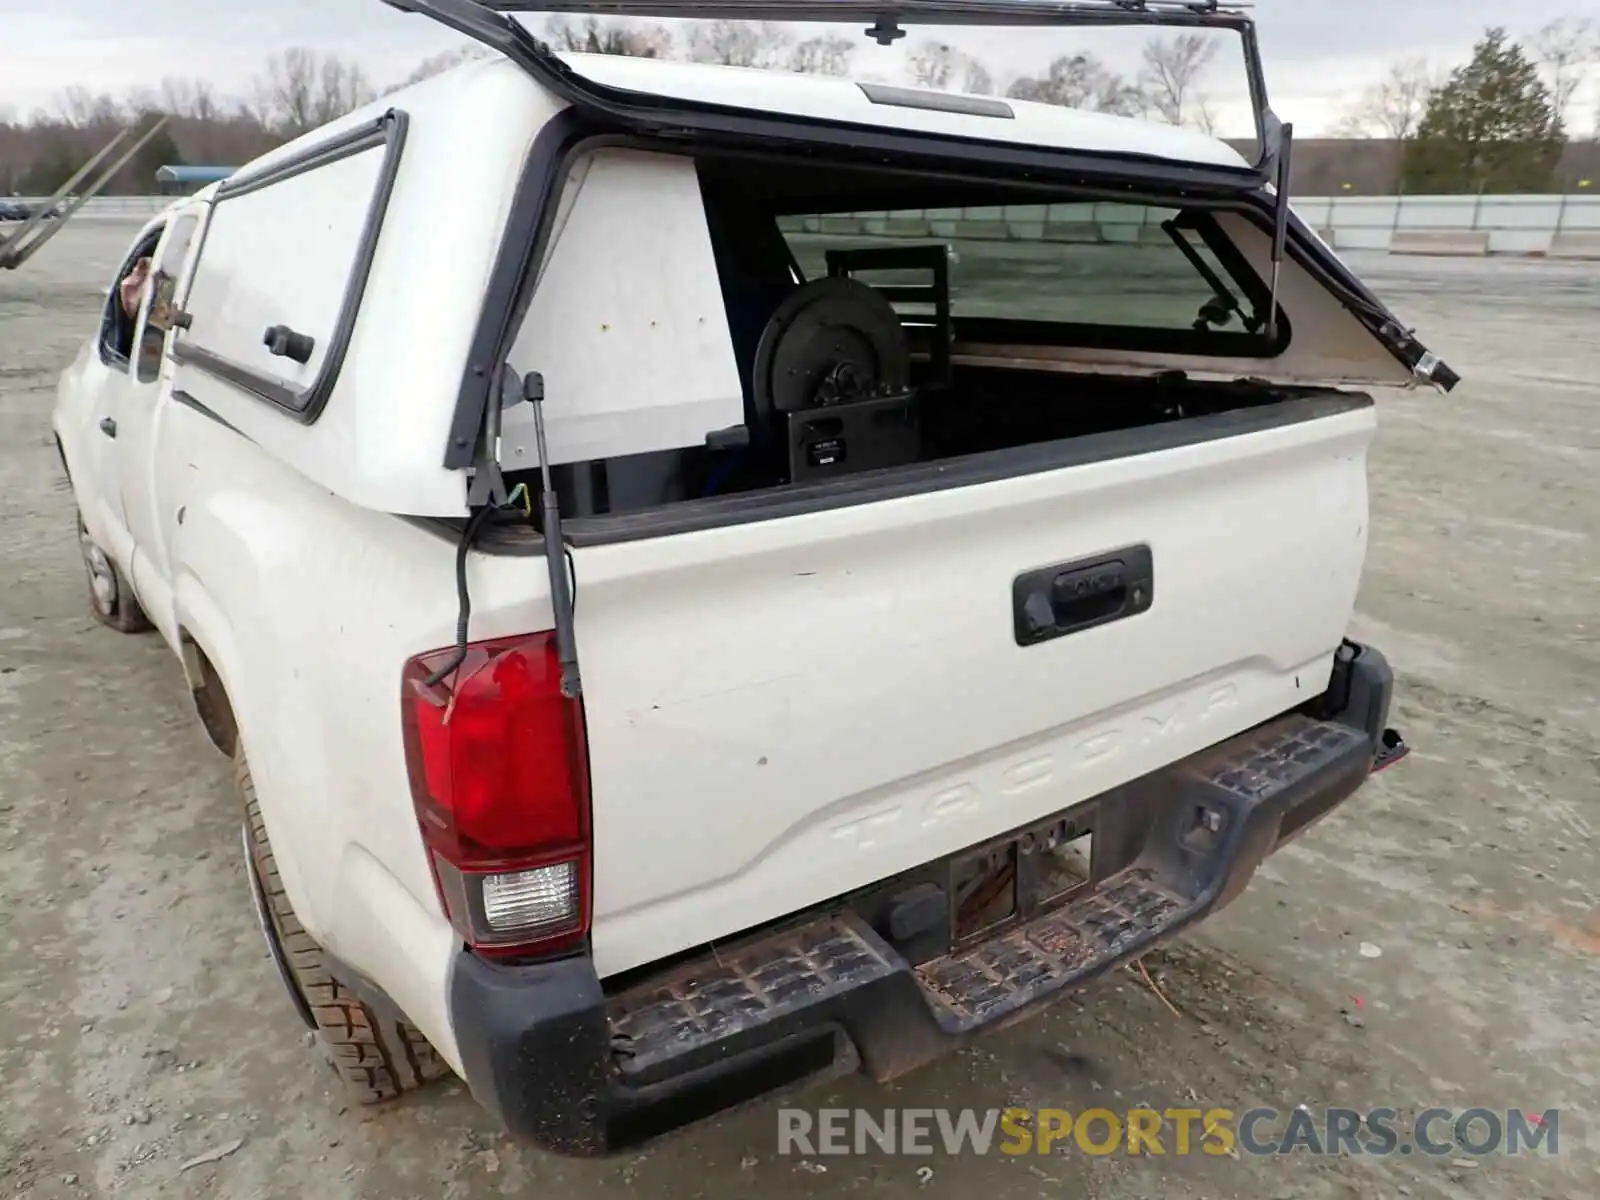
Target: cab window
{"x": 161, "y": 296}
{"x": 117, "y": 323}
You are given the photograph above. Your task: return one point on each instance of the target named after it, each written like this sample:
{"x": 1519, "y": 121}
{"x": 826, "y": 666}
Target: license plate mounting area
{"x": 1011, "y": 880}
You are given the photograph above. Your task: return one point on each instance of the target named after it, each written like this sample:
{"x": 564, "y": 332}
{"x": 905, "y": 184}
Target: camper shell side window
{"x": 159, "y": 305}
{"x": 283, "y": 266}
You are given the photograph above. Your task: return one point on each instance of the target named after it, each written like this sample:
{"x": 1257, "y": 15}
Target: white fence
{"x": 1526, "y": 225}
{"x": 1558, "y": 226}
{"x": 140, "y": 208}
{"x": 1563, "y": 226}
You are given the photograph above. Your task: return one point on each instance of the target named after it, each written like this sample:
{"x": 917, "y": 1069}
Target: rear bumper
{"x": 857, "y": 984}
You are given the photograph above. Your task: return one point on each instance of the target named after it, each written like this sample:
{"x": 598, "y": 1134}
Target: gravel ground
{"x": 142, "y": 1025}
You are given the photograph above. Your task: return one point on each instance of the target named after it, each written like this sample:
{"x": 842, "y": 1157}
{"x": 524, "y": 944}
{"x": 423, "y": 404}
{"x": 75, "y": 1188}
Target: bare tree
{"x": 342, "y": 87}
{"x": 203, "y": 106}
{"x": 595, "y": 36}
{"x": 739, "y": 43}
{"x": 940, "y": 65}
{"x": 81, "y": 108}
{"x": 1173, "y": 70}
{"x": 933, "y": 64}
{"x": 1080, "y": 81}
{"x": 303, "y": 90}
{"x": 195, "y": 99}
{"x": 1393, "y": 107}
{"x": 978, "y": 80}
{"x": 287, "y": 95}
{"x": 827, "y": 55}
{"x": 143, "y": 100}
{"x": 1565, "y": 48}
{"x": 177, "y": 95}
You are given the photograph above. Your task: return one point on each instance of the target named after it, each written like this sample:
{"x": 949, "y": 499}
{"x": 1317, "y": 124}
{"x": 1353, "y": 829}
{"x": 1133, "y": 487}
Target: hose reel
{"x": 832, "y": 381}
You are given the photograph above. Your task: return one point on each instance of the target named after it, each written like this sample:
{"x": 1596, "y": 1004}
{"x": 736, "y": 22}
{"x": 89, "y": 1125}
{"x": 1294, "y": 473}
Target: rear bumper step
{"x": 849, "y": 987}
{"x": 1006, "y": 976}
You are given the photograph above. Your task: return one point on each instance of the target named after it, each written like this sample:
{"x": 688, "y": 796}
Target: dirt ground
{"x": 141, "y": 1022}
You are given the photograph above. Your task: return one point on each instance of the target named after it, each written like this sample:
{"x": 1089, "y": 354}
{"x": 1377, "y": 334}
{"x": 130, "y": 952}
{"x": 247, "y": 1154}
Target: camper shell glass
{"x": 1094, "y": 56}
{"x": 1113, "y": 274}
{"x": 283, "y": 338}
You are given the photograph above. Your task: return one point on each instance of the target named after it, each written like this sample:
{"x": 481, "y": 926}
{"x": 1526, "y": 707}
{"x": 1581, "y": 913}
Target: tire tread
{"x": 379, "y": 1057}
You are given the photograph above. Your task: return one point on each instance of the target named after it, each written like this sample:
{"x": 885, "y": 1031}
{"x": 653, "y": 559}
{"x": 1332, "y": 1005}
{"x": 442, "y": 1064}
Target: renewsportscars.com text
{"x": 1176, "y": 1132}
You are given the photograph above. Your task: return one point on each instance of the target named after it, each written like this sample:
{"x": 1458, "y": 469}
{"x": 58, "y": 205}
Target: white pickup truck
{"x": 713, "y": 578}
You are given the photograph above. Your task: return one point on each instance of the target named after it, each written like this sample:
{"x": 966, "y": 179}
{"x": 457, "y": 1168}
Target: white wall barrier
{"x": 129, "y": 208}
{"x": 1524, "y": 225}
{"x": 1553, "y": 226}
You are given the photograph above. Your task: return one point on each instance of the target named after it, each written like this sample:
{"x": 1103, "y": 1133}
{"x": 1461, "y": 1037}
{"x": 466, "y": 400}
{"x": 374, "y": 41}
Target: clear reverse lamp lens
{"x": 527, "y": 901}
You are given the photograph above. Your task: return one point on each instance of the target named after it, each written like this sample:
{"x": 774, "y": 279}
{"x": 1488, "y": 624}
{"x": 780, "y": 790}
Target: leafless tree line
{"x": 1566, "y": 50}
{"x": 301, "y": 89}
{"x": 298, "y": 91}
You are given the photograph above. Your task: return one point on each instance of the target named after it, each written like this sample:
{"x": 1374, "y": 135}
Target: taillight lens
{"x": 500, "y": 780}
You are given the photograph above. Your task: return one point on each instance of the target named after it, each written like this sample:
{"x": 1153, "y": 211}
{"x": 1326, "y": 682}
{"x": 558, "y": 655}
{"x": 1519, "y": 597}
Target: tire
{"x": 379, "y": 1057}
{"x": 111, "y": 599}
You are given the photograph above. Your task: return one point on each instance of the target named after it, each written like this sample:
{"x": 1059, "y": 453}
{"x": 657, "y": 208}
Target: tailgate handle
{"x": 1070, "y": 597}
{"x": 1090, "y": 592}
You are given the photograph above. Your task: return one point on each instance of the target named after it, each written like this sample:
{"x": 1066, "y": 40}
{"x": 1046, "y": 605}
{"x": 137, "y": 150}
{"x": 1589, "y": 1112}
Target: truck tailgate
{"x": 781, "y": 711}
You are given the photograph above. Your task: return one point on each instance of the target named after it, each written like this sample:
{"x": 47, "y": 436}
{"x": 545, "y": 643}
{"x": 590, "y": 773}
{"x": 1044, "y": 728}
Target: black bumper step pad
{"x": 1001, "y": 976}
{"x": 712, "y": 1003}
{"x": 1138, "y": 905}
{"x": 1288, "y": 752}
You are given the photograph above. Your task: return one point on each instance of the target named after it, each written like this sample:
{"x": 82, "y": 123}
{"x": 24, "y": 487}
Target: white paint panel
{"x": 627, "y": 324}
{"x": 283, "y": 255}
{"x": 783, "y": 711}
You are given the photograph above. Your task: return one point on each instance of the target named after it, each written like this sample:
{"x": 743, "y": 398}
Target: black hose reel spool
{"x": 832, "y": 382}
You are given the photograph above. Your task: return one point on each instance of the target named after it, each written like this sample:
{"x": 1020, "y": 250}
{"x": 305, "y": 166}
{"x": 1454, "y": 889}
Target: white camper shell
{"x": 714, "y": 577}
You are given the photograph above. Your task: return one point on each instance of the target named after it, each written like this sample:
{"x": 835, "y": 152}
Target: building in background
{"x": 185, "y": 180}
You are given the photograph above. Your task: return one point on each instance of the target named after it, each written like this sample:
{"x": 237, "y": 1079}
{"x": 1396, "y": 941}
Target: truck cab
{"x": 713, "y": 577}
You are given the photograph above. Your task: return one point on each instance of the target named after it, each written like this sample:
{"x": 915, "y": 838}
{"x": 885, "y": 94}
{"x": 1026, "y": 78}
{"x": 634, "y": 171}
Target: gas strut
{"x": 1280, "y": 224}
{"x": 554, "y": 548}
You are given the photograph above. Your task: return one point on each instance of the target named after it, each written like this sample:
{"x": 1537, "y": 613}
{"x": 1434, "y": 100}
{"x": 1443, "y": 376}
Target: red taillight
{"x": 500, "y": 780}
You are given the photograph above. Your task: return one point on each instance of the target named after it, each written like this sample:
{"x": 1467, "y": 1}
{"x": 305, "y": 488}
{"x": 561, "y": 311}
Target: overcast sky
{"x": 1318, "y": 52}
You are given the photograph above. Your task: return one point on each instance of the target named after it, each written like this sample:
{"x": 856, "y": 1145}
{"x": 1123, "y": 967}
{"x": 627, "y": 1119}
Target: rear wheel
{"x": 111, "y": 600}
{"x": 378, "y": 1056}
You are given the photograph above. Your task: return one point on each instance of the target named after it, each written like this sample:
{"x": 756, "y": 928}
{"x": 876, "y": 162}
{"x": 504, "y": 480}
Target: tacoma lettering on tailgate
{"x": 1035, "y": 767}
